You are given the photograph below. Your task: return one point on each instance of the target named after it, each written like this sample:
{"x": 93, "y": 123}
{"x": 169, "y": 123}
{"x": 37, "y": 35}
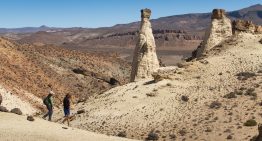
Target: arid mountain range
{"x": 176, "y": 36}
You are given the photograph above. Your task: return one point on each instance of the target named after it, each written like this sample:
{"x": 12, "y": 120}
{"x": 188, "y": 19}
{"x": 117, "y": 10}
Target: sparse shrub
{"x": 172, "y": 136}
{"x": 152, "y": 94}
{"x": 122, "y": 134}
{"x": 229, "y": 137}
{"x": 260, "y": 71}
{"x": 215, "y": 105}
{"x": 208, "y": 129}
{"x": 230, "y": 95}
{"x": 184, "y": 98}
{"x": 152, "y": 136}
{"x": 251, "y": 92}
{"x": 182, "y": 132}
{"x": 169, "y": 84}
{"x": 180, "y": 65}
{"x": 250, "y": 122}
{"x": 245, "y": 75}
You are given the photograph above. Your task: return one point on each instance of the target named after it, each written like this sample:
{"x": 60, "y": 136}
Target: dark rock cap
{"x": 218, "y": 13}
{"x": 145, "y": 13}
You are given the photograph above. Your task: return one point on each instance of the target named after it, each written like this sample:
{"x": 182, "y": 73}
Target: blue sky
{"x": 100, "y": 13}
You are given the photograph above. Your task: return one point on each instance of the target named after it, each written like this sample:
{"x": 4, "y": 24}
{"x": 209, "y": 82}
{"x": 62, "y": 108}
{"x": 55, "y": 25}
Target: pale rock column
{"x": 145, "y": 60}
{"x": 219, "y": 30}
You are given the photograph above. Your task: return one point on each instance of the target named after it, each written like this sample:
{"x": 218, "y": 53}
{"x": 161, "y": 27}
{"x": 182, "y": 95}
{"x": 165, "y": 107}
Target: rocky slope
{"x": 27, "y": 70}
{"x": 205, "y": 99}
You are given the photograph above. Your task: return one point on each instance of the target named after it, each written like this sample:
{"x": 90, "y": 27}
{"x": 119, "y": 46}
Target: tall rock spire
{"x": 145, "y": 60}
{"x": 219, "y": 30}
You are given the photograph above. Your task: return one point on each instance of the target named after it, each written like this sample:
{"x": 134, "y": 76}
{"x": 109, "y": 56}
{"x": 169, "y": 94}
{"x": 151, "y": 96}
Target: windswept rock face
{"x": 219, "y": 30}
{"x": 145, "y": 60}
{"x": 245, "y": 26}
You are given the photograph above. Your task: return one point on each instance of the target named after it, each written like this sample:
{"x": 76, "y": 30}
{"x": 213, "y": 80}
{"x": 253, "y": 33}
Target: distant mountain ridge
{"x": 188, "y": 22}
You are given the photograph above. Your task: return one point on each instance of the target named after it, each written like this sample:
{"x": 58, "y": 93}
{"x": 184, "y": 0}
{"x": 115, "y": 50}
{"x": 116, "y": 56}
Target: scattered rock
{"x": 30, "y": 118}
{"x": 230, "y": 95}
{"x": 215, "y": 105}
{"x": 164, "y": 73}
{"x": 208, "y": 129}
{"x": 3, "y": 109}
{"x": 172, "y": 136}
{"x": 16, "y": 111}
{"x": 152, "y": 136}
{"x": 80, "y": 71}
{"x": 81, "y": 111}
{"x": 184, "y": 98}
{"x": 152, "y": 94}
{"x": 229, "y": 137}
{"x": 245, "y": 75}
{"x": 113, "y": 81}
{"x": 122, "y": 134}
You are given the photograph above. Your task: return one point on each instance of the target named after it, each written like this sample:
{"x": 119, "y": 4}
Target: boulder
{"x": 3, "y": 109}
{"x": 145, "y": 60}
{"x": 16, "y": 111}
{"x": 218, "y": 14}
{"x": 81, "y": 111}
{"x": 260, "y": 41}
{"x": 259, "y": 29}
{"x": 164, "y": 73}
{"x": 30, "y": 118}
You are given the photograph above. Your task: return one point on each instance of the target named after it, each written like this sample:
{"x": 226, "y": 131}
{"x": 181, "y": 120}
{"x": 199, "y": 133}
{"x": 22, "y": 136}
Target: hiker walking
{"x": 49, "y": 105}
{"x": 66, "y": 105}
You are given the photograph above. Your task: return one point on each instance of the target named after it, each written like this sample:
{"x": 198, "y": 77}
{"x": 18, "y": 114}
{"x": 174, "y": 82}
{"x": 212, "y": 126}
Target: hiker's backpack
{"x": 45, "y": 101}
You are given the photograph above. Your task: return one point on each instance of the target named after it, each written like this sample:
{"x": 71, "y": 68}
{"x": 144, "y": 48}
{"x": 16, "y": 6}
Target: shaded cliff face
{"x": 145, "y": 60}
{"x": 27, "y": 70}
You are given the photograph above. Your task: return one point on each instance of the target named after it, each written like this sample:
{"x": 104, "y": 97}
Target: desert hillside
{"x": 27, "y": 70}
{"x": 205, "y": 99}
{"x": 14, "y": 127}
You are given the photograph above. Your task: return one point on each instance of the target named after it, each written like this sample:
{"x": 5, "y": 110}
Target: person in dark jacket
{"x": 66, "y": 105}
{"x": 49, "y": 105}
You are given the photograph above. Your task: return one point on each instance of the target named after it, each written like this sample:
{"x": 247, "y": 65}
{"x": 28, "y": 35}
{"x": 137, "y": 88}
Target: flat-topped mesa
{"x": 145, "y": 60}
{"x": 245, "y": 26}
{"x": 219, "y": 29}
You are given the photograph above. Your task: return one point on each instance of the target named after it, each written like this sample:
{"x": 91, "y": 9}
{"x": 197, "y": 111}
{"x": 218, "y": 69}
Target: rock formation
{"x": 245, "y": 26}
{"x": 145, "y": 60}
{"x": 259, "y": 137}
{"x": 219, "y": 30}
